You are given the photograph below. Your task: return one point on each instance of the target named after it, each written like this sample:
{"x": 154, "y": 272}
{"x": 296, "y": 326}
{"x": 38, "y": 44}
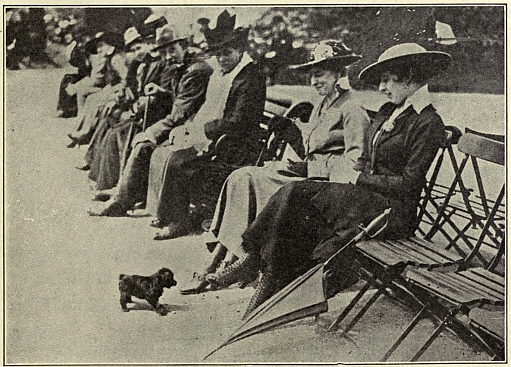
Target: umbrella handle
{"x": 372, "y": 230}
{"x": 373, "y": 226}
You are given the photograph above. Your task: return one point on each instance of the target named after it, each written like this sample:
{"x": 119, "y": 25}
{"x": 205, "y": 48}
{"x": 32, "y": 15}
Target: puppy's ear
{"x": 121, "y": 276}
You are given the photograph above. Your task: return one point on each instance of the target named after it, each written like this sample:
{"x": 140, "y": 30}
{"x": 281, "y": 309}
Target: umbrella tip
{"x": 210, "y": 353}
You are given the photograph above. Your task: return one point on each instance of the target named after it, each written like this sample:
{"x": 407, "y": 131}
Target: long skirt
{"x": 306, "y": 222}
{"x": 244, "y": 194}
{"x": 89, "y": 118}
{"x": 109, "y": 159}
{"x": 66, "y": 103}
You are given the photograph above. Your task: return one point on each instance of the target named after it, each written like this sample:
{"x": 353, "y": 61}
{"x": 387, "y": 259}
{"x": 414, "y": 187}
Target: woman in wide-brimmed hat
{"x": 334, "y": 137}
{"x": 306, "y": 222}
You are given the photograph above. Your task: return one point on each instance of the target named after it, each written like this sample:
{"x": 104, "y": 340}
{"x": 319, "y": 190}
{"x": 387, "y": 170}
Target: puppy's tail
{"x": 121, "y": 276}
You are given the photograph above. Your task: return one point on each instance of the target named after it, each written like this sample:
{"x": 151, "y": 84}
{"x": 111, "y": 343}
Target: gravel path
{"x": 62, "y": 267}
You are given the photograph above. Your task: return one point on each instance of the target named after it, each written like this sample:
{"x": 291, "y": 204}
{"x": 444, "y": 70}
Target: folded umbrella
{"x": 303, "y": 297}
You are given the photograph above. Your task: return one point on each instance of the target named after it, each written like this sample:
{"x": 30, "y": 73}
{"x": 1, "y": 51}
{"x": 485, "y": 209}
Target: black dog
{"x": 149, "y": 288}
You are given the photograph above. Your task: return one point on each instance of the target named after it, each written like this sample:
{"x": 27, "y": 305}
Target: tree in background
{"x": 370, "y": 30}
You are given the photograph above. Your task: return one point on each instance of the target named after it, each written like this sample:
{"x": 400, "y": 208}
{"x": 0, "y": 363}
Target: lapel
{"x": 150, "y": 71}
{"x": 235, "y": 85}
{"x": 399, "y": 126}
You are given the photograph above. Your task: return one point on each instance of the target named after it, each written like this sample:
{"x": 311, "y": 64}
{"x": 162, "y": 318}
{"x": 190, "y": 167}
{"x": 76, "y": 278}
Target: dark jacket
{"x": 189, "y": 89}
{"x": 244, "y": 108}
{"x": 397, "y": 166}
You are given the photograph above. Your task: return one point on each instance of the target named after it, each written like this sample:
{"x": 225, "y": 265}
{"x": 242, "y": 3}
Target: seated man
{"x": 189, "y": 89}
{"x": 234, "y": 105}
{"x": 112, "y": 146}
{"x": 108, "y": 68}
{"x": 97, "y": 105}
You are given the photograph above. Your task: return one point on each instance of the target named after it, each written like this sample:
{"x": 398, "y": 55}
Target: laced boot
{"x": 245, "y": 270}
{"x": 264, "y": 290}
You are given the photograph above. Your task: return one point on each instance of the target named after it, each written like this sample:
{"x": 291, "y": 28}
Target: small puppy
{"x": 149, "y": 288}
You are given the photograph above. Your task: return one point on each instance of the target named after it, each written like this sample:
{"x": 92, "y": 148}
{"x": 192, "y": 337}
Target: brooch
{"x": 388, "y": 125}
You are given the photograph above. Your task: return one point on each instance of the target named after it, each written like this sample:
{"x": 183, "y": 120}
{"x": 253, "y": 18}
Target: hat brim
{"x": 92, "y": 45}
{"x": 239, "y": 35}
{"x": 430, "y": 63}
{"x": 337, "y": 61}
{"x": 170, "y": 43}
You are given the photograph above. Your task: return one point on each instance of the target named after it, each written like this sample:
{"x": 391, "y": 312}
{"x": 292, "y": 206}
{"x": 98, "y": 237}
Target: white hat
{"x": 130, "y": 36}
{"x": 429, "y": 63}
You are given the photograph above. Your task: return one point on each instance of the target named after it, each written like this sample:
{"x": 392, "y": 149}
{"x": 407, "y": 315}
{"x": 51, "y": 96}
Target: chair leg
{"x": 405, "y": 333}
{"x": 435, "y": 334}
{"x": 352, "y": 304}
{"x": 364, "y": 309}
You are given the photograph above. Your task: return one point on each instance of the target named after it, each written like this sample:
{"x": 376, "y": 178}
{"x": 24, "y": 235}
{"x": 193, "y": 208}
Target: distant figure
{"x": 205, "y": 31}
{"x": 67, "y": 104}
{"x": 281, "y": 47}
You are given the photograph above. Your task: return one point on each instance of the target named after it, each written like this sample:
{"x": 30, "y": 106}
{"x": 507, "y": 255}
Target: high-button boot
{"x": 245, "y": 270}
{"x": 265, "y": 289}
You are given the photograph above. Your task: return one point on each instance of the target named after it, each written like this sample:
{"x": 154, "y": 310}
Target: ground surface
{"x": 62, "y": 266}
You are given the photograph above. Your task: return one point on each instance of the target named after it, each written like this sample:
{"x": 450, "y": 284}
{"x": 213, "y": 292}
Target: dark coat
{"x": 244, "y": 107}
{"x": 396, "y": 167}
{"x": 189, "y": 89}
{"x": 188, "y": 176}
{"x": 304, "y": 214}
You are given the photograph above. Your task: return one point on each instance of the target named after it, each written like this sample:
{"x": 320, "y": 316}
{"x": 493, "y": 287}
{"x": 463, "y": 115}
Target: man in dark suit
{"x": 188, "y": 88}
{"x": 234, "y": 105}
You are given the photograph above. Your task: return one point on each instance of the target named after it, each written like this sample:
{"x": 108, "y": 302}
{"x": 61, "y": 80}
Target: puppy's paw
{"x": 125, "y": 310}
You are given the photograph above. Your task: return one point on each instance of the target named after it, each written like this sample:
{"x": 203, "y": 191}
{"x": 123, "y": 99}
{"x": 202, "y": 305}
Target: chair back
{"x": 429, "y": 203}
{"x": 472, "y": 212}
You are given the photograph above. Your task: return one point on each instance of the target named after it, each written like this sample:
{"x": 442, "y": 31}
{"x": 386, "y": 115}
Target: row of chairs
{"x": 445, "y": 284}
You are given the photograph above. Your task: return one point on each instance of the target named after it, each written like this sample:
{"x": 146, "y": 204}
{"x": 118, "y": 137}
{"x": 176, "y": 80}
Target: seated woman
{"x": 334, "y": 138}
{"x": 306, "y": 222}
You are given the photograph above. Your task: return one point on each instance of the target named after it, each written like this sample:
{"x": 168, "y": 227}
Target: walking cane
{"x": 129, "y": 139}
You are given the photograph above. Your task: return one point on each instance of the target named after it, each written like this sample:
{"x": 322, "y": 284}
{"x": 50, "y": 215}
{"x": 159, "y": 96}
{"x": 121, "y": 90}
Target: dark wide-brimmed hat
{"x": 167, "y": 37}
{"x": 224, "y": 34}
{"x": 112, "y": 38}
{"x": 428, "y": 63}
{"x": 203, "y": 21}
{"x": 329, "y": 53}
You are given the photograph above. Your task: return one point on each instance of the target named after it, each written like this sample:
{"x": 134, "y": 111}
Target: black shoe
{"x": 112, "y": 208}
{"x": 85, "y": 167}
{"x": 172, "y": 230}
{"x": 245, "y": 270}
{"x": 265, "y": 289}
{"x": 197, "y": 285}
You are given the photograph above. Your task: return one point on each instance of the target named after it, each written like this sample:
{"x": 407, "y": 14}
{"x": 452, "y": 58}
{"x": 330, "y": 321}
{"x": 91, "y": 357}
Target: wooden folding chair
{"x": 382, "y": 262}
{"x": 465, "y": 212}
{"x": 432, "y": 196}
{"x": 444, "y": 296}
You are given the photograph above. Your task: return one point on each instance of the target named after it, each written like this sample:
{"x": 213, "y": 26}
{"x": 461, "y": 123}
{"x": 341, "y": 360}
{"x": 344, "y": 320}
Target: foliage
{"x": 370, "y": 30}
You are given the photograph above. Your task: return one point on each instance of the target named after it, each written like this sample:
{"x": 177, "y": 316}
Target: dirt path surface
{"x": 62, "y": 269}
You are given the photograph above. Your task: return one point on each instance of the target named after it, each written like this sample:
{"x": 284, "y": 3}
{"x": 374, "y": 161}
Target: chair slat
{"x": 454, "y": 287}
{"x": 489, "y": 277}
{"x": 381, "y": 253}
{"x": 483, "y": 148}
{"x": 441, "y": 252}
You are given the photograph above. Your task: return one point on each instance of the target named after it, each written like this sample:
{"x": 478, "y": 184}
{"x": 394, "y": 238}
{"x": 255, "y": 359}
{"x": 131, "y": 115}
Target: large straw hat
{"x": 329, "y": 52}
{"x": 428, "y": 63}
